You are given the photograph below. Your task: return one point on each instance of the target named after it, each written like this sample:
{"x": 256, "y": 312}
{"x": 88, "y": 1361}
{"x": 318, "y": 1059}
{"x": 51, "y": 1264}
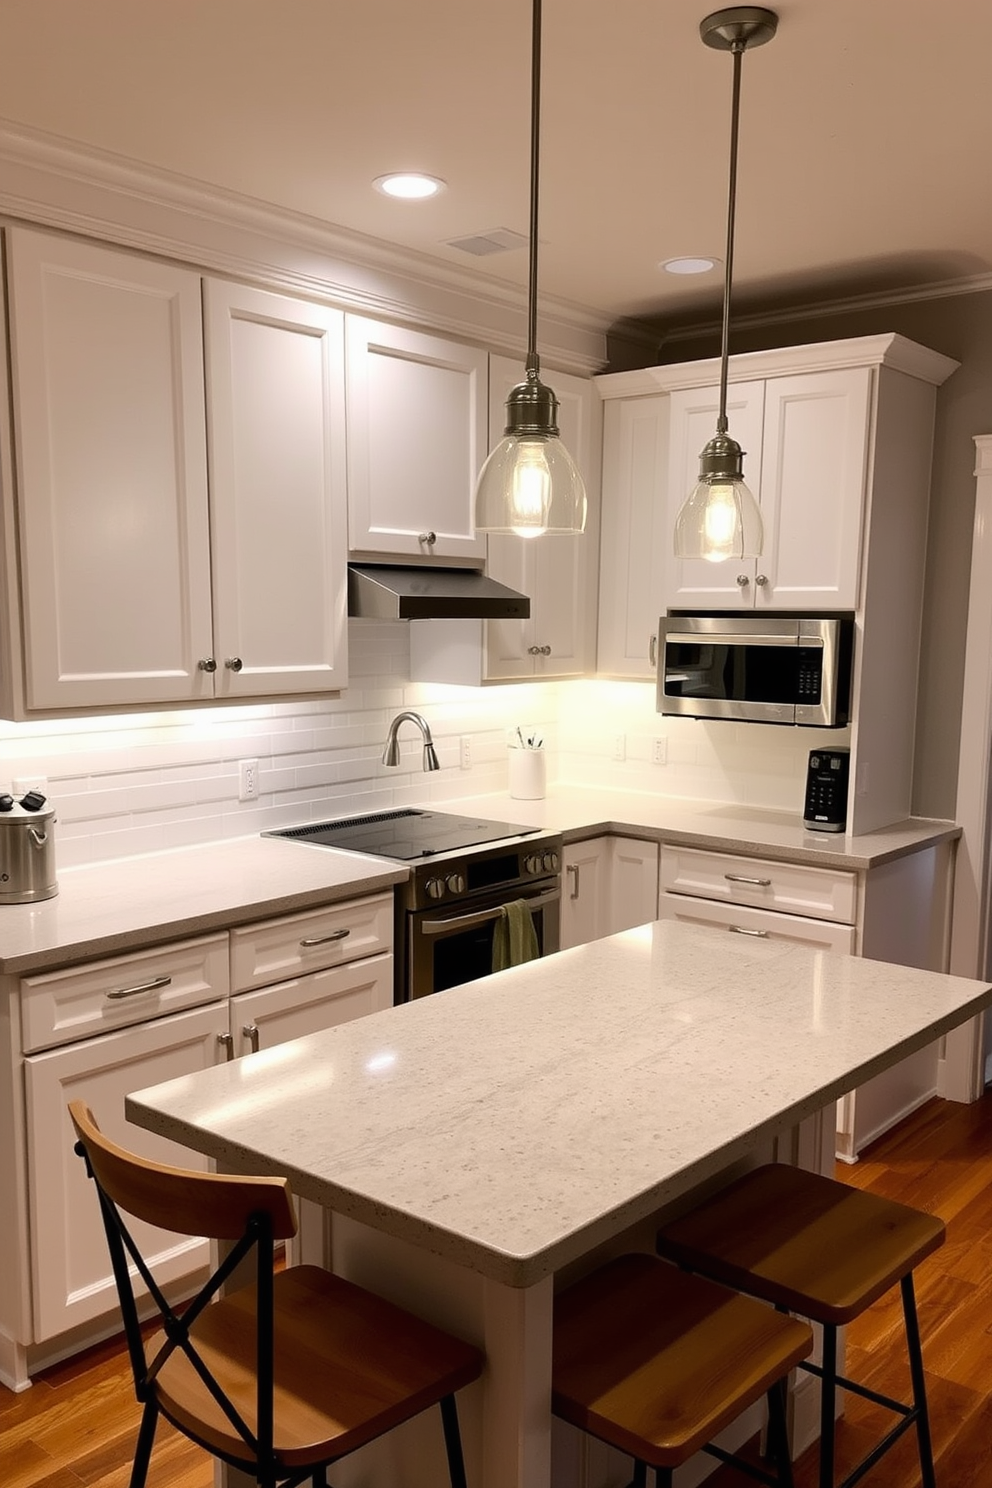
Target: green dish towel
{"x": 514, "y": 939}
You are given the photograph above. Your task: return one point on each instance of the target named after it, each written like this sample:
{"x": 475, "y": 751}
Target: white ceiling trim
{"x": 56, "y": 183}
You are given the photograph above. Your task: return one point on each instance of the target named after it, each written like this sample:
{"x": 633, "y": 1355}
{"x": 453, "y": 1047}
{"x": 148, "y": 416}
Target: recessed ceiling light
{"x": 408, "y": 185}
{"x": 689, "y": 265}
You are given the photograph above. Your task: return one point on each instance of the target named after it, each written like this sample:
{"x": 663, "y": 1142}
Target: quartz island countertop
{"x": 513, "y": 1124}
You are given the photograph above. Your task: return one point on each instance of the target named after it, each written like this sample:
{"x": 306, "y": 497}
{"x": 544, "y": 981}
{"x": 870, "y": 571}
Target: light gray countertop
{"x": 108, "y": 908}
{"x": 514, "y": 1123}
{"x": 580, "y": 811}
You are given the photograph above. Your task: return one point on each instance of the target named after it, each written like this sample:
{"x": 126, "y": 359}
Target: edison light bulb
{"x": 719, "y": 522}
{"x": 530, "y": 491}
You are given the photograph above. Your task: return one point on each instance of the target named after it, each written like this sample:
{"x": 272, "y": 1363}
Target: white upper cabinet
{"x": 557, "y": 573}
{"x": 836, "y": 438}
{"x": 805, "y": 442}
{"x": 416, "y": 442}
{"x": 635, "y": 533}
{"x": 275, "y": 402}
{"x": 107, "y": 370}
{"x": 142, "y": 581}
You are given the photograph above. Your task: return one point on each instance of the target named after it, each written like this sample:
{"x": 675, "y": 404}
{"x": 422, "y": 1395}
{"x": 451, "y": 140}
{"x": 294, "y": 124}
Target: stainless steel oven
{"x": 445, "y": 946}
{"x": 463, "y": 870}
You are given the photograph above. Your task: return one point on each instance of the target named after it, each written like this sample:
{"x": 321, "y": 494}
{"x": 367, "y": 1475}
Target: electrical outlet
{"x": 620, "y": 747}
{"x": 466, "y": 752}
{"x": 248, "y": 780}
{"x": 659, "y": 751}
{"x": 862, "y": 788}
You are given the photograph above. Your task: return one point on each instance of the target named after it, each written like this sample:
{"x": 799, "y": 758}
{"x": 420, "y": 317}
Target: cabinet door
{"x": 260, "y": 1020}
{"x": 275, "y": 406}
{"x": 637, "y": 537}
{"x": 697, "y": 583}
{"x": 71, "y": 1275}
{"x": 557, "y": 573}
{"x": 585, "y": 906}
{"x": 107, "y": 359}
{"x": 416, "y": 441}
{"x": 633, "y": 883}
{"x": 813, "y": 473}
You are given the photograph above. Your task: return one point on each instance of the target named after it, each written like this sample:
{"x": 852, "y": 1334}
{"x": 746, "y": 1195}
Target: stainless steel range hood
{"x": 387, "y": 592}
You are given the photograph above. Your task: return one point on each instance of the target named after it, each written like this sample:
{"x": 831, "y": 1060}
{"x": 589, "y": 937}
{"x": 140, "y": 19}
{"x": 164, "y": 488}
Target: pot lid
{"x": 32, "y": 806}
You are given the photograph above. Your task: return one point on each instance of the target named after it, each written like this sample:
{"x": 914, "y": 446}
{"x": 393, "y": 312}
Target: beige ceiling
{"x": 866, "y": 131}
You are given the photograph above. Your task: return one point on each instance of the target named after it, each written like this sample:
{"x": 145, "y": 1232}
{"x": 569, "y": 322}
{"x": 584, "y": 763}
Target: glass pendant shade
{"x": 530, "y": 486}
{"x": 720, "y": 519}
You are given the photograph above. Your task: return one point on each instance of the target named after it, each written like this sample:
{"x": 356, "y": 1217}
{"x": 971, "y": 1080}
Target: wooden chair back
{"x": 249, "y": 1212}
{"x": 212, "y": 1204}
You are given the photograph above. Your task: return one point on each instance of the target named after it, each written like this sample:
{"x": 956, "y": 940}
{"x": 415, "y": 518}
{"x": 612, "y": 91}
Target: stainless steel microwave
{"x": 761, "y": 669}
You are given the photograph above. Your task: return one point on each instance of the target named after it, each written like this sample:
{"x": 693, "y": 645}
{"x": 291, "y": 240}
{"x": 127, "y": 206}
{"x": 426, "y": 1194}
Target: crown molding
{"x": 822, "y": 309}
{"x": 54, "y": 182}
{"x": 889, "y": 350}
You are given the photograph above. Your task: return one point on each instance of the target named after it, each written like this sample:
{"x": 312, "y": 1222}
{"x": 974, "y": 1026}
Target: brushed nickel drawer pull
{"x": 226, "y": 1042}
{"x": 250, "y": 1031}
{"x": 152, "y": 986}
{"x": 316, "y": 940}
{"x": 742, "y": 930}
{"x": 573, "y": 868}
{"x": 759, "y": 883}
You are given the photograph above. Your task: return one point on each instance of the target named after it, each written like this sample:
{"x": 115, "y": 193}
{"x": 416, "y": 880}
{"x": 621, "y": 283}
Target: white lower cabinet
{"x": 290, "y": 1010}
{"x": 896, "y": 912}
{"x": 762, "y": 924}
{"x": 71, "y": 1279}
{"x": 99, "y": 1031}
{"x": 611, "y": 884}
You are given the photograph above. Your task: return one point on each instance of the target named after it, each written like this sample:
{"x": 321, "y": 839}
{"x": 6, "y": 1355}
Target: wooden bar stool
{"x": 656, "y": 1363}
{"x": 816, "y": 1247}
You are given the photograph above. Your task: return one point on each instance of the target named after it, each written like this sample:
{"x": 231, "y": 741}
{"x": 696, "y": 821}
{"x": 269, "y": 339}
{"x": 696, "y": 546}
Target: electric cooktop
{"x": 404, "y": 834}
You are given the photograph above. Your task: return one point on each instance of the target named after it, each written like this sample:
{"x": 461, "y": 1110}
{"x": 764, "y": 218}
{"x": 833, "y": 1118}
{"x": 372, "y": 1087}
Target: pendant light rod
{"x": 733, "y": 31}
{"x": 728, "y": 273}
{"x": 533, "y": 362}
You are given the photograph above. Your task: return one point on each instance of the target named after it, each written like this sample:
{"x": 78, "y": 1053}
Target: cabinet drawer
{"x": 759, "y": 924}
{"x": 64, "y": 1006}
{"x": 791, "y": 888}
{"x": 278, "y": 950}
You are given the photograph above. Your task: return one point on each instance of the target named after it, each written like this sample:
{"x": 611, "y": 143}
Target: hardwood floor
{"x": 77, "y": 1424}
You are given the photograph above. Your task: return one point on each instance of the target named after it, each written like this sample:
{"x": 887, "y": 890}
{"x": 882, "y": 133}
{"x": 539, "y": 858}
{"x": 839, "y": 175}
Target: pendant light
{"x": 530, "y": 485}
{"x": 720, "y": 518}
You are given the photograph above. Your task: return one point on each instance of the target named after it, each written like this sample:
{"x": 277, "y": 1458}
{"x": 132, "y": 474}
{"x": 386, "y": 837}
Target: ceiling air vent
{"x": 499, "y": 240}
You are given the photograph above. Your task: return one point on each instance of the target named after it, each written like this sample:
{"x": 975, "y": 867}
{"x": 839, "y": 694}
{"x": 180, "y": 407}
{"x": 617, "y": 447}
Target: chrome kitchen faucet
{"x": 391, "y": 753}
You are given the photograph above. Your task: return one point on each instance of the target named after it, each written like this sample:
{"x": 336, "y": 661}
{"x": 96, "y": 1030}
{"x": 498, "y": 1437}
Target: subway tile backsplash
{"x": 131, "y": 784}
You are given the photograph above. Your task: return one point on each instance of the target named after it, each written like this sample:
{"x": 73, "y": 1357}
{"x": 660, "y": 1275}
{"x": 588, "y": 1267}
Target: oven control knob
{"x": 434, "y": 888}
{"x": 533, "y": 864}
{"x": 456, "y": 883}
{"x": 550, "y": 862}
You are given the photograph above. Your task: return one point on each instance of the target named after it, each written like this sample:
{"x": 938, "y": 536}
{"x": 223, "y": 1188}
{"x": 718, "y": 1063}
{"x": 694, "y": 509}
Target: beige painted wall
{"x": 960, "y": 326}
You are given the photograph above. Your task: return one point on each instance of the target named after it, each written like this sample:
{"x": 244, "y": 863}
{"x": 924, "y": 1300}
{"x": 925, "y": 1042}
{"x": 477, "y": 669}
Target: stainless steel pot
{"x": 27, "y": 850}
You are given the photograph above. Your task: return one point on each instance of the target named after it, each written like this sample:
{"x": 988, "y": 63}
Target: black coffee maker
{"x": 826, "y": 790}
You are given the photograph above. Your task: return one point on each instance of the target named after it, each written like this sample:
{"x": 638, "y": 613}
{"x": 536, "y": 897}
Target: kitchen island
{"x": 474, "y": 1145}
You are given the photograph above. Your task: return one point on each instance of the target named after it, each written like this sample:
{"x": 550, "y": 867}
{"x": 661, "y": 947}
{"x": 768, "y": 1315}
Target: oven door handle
{"x": 480, "y": 916}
